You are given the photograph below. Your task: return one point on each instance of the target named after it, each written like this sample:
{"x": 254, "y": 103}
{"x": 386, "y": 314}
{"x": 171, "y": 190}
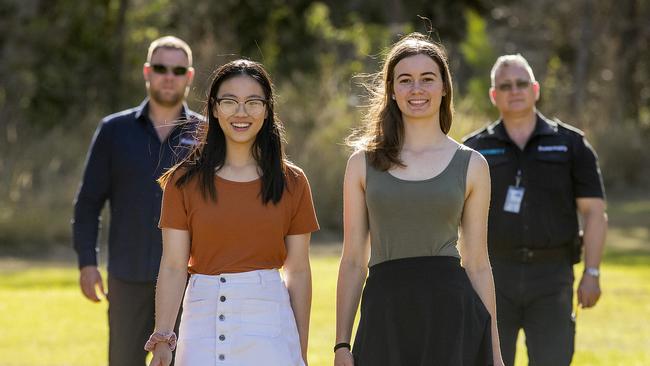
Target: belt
{"x": 528, "y": 255}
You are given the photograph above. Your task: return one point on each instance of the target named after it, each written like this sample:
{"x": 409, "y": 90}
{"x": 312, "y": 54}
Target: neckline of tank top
{"x": 248, "y": 182}
{"x": 443, "y": 172}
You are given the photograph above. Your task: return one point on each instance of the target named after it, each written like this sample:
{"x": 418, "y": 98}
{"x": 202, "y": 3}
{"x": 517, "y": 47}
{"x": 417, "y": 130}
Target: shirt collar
{"x": 543, "y": 126}
{"x": 142, "y": 111}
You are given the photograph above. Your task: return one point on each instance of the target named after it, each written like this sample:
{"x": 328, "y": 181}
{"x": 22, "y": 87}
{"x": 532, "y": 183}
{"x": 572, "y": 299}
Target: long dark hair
{"x": 382, "y": 135}
{"x": 210, "y": 153}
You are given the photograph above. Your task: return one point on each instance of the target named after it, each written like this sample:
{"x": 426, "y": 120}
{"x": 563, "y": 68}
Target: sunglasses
{"x": 162, "y": 69}
{"x": 520, "y": 84}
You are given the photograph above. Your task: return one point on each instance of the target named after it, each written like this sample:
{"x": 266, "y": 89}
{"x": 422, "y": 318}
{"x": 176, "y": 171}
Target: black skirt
{"x": 422, "y": 311}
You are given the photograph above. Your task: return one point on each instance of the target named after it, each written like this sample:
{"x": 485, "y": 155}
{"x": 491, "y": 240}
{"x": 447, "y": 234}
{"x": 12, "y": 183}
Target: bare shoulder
{"x": 356, "y": 168}
{"x": 357, "y": 158}
{"x": 477, "y": 161}
{"x": 357, "y": 162}
{"x": 478, "y": 171}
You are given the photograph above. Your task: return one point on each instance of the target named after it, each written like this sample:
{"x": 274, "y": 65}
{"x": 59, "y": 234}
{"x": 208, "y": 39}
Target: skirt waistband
{"x": 256, "y": 276}
{"x": 415, "y": 264}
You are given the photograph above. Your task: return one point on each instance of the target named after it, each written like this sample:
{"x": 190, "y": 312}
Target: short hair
{"x": 507, "y": 60}
{"x": 170, "y": 42}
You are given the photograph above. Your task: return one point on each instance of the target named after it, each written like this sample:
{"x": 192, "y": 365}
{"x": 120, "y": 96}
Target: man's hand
{"x": 90, "y": 280}
{"x": 588, "y": 291}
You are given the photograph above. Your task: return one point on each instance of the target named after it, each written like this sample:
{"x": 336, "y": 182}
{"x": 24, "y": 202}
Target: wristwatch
{"x": 592, "y": 271}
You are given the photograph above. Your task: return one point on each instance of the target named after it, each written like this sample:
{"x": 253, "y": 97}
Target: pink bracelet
{"x": 161, "y": 337}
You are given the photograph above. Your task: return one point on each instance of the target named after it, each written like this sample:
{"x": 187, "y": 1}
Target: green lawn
{"x": 45, "y": 321}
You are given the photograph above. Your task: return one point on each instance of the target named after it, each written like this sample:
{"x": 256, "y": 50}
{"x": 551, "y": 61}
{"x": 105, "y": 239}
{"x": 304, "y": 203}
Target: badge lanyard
{"x": 515, "y": 196}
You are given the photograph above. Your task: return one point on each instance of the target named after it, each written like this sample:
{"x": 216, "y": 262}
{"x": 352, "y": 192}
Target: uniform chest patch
{"x": 549, "y": 148}
{"x": 486, "y": 152}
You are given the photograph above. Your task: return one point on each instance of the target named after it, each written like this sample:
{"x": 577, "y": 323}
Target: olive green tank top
{"x": 416, "y": 218}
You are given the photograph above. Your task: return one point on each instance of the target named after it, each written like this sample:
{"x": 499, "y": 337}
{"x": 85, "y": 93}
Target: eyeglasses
{"x": 252, "y": 107}
{"x": 520, "y": 84}
{"x": 162, "y": 69}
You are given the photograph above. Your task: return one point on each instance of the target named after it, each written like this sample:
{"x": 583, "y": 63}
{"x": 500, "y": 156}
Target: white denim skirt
{"x": 238, "y": 319}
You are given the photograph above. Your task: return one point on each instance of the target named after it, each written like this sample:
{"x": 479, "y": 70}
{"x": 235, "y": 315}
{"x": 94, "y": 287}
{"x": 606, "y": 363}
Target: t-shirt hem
{"x": 303, "y": 231}
{"x": 173, "y": 226}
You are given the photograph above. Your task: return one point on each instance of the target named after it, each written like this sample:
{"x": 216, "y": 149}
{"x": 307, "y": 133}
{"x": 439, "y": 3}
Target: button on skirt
{"x": 238, "y": 319}
{"x": 422, "y": 311}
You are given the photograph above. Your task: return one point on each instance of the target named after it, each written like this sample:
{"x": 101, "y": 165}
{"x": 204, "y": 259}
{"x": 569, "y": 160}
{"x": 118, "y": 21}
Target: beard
{"x": 166, "y": 99}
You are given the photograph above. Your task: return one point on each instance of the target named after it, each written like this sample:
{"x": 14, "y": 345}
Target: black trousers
{"x": 538, "y": 298}
{"x": 130, "y": 320}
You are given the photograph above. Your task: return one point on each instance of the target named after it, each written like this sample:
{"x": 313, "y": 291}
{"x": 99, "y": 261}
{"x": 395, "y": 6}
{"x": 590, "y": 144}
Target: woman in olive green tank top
{"x": 409, "y": 191}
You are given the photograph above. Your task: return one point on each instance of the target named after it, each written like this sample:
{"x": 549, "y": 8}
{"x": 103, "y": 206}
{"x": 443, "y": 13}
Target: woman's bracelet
{"x": 342, "y": 345}
{"x": 161, "y": 337}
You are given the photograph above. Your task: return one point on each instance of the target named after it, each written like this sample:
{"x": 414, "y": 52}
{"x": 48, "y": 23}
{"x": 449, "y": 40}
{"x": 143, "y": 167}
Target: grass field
{"x": 45, "y": 321}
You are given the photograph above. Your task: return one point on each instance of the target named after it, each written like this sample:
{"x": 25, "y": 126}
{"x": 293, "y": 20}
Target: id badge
{"x": 513, "y": 199}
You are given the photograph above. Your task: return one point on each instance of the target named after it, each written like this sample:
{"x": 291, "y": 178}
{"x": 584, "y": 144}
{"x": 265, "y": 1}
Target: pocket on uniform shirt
{"x": 496, "y": 160}
{"x": 553, "y": 171}
{"x": 261, "y": 318}
{"x": 555, "y": 157}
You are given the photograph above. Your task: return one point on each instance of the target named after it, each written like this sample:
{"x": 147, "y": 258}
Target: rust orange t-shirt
{"x": 238, "y": 232}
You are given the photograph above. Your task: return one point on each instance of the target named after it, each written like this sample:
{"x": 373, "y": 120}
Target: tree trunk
{"x": 118, "y": 55}
{"x": 629, "y": 88}
{"x": 581, "y": 67}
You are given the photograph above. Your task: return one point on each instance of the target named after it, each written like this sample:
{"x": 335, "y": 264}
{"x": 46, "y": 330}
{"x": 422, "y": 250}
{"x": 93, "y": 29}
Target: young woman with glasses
{"x": 409, "y": 191}
{"x": 236, "y": 210}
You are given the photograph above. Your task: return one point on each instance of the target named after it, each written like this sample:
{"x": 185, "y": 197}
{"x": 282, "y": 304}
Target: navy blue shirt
{"x": 125, "y": 159}
{"x": 556, "y": 166}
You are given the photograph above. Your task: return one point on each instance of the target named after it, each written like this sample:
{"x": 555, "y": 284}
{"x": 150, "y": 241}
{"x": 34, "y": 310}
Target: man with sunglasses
{"x": 129, "y": 152}
{"x": 545, "y": 176}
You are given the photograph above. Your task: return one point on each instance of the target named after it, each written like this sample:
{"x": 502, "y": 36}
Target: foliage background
{"x": 64, "y": 64}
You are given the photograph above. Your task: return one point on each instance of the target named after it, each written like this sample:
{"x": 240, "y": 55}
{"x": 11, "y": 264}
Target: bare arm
{"x": 297, "y": 272}
{"x": 473, "y": 241}
{"x": 354, "y": 259}
{"x": 172, "y": 278}
{"x": 594, "y": 218}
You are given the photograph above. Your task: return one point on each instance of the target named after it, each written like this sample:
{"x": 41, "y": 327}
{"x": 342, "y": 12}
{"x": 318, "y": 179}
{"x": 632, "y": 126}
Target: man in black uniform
{"x": 544, "y": 175}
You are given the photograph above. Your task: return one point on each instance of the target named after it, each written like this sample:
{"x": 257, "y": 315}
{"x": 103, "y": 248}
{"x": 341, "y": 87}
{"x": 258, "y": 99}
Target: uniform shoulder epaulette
{"x": 478, "y": 133}
{"x": 567, "y": 126}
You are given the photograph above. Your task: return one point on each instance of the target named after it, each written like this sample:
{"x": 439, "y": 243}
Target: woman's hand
{"x": 343, "y": 357}
{"x": 162, "y": 355}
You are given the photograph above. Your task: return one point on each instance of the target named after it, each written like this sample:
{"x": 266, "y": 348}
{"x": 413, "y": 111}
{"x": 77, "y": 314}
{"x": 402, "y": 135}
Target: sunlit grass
{"x": 45, "y": 321}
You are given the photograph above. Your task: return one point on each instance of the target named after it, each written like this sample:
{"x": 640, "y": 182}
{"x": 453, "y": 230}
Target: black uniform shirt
{"x": 124, "y": 161}
{"x": 557, "y": 166}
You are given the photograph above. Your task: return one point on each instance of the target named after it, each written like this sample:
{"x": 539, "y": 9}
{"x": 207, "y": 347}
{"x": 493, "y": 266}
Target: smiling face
{"x": 241, "y": 122}
{"x": 418, "y": 87}
{"x": 514, "y": 93}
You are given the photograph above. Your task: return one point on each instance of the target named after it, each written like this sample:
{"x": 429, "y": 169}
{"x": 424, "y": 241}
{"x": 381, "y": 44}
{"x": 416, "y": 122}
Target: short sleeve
{"x": 587, "y": 179}
{"x": 303, "y": 218}
{"x": 173, "y": 213}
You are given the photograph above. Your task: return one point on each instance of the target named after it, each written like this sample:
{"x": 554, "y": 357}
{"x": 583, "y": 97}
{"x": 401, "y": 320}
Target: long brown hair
{"x": 382, "y": 134}
{"x": 210, "y": 153}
